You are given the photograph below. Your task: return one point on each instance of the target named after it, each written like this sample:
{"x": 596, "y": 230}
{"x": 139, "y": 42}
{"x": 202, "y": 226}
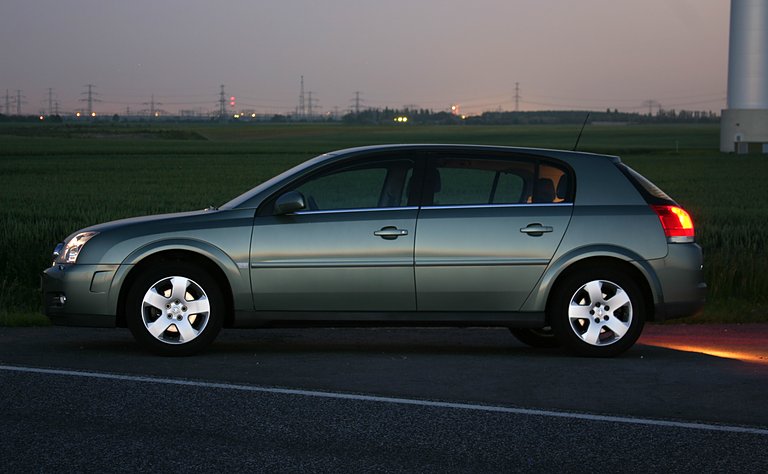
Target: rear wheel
{"x": 598, "y": 312}
{"x": 538, "y": 337}
{"x": 175, "y": 309}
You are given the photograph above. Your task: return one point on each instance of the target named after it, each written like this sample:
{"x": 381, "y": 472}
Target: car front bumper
{"x": 78, "y": 295}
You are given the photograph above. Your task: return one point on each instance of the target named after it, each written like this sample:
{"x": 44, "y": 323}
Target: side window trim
{"x": 498, "y": 206}
{"x": 361, "y": 209}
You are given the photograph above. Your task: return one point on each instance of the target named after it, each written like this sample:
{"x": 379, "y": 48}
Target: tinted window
{"x": 457, "y": 181}
{"x": 373, "y": 185}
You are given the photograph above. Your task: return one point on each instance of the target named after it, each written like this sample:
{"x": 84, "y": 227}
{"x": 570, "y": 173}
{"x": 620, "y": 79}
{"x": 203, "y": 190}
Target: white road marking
{"x": 392, "y": 400}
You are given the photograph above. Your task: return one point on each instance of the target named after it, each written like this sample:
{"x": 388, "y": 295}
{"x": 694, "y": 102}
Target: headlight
{"x": 67, "y": 253}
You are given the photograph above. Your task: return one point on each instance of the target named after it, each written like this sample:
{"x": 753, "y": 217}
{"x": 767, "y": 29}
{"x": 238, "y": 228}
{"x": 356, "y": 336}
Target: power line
{"x": 302, "y": 110}
{"x": 50, "y": 101}
{"x": 153, "y": 111}
{"x": 222, "y": 102}
{"x": 651, "y": 104}
{"x": 19, "y": 101}
{"x": 357, "y": 101}
{"x": 517, "y": 97}
{"x": 311, "y": 105}
{"x": 89, "y": 99}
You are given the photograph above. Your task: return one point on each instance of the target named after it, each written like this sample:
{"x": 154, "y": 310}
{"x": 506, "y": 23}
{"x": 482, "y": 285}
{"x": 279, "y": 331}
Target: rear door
{"x": 488, "y": 227}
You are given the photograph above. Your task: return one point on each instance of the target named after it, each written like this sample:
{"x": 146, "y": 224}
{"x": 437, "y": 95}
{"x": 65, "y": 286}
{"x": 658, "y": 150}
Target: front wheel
{"x": 598, "y": 312}
{"x": 175, "y": 309}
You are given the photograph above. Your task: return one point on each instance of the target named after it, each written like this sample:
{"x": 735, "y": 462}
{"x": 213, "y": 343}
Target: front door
{"x": 350, "y": 249}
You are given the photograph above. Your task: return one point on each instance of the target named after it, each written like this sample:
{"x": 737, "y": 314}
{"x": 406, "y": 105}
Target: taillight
{"x": 676, "y": 222}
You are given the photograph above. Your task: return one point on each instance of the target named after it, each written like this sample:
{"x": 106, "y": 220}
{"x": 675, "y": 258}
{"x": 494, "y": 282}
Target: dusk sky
{"x": 565, "y": 54}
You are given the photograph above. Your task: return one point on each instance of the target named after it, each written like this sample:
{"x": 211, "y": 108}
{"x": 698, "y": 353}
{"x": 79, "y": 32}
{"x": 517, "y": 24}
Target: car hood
{"x": 116, "y": 240}
{"x": 145, "y": 220}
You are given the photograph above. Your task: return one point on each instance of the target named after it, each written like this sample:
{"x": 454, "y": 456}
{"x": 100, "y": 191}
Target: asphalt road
{"x": 381, "y": 400}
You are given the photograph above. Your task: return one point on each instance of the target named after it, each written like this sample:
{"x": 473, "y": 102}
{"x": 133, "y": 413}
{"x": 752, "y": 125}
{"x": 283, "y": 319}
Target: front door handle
{"x": 390, "y": 232}
{"x": 536, "y": 230}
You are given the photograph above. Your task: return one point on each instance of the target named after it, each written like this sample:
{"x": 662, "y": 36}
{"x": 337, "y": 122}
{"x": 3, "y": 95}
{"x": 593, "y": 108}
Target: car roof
{"x": 554, "y": 153}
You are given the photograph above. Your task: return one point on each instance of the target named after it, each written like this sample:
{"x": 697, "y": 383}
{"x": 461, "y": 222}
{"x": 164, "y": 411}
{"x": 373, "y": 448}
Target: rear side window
{"x": 477, "y": 181}
{"x": 479, "y": 186}
{"x": 553, "y": 184}
{"x": 652, "y": 193}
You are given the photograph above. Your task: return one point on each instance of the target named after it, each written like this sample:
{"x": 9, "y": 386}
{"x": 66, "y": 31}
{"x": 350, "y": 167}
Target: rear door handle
{"x": 536, "y": 230}
{"x": 390, "y": 233}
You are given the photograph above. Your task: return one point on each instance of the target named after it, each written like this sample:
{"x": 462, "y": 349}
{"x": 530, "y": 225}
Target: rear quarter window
{"x": 650, "y": 192}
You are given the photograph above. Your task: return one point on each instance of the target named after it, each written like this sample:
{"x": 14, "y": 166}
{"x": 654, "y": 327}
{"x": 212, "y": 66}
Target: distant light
{"x": 93, "y": 114}
{"x": 453, "y": 107}
{"x": 77, "y": 114}
{"x": 157, "y": 114}
{"x": 401, "y": 119}
{"x": 42, "y": 117}
{"x": 237, "y": 116}
{"x": 463, "y": 117}
{"x": 253, "y": 115}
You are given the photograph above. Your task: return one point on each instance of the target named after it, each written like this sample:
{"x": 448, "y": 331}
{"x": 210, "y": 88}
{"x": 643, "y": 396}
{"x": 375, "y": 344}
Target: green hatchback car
{"x": 564, "y": 248}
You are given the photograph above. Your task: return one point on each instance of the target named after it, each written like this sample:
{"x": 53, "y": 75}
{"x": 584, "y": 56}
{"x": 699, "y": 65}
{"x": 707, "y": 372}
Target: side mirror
{"x": 289, "y": 202}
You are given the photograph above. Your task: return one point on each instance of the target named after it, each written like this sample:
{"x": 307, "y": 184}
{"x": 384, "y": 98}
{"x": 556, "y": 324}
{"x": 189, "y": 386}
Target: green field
{"x": 55, "y": 179}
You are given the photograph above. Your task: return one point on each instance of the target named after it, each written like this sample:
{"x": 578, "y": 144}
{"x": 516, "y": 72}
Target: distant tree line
{"x": 418, "y": 116}
{"x": 551, "y": 117}
{"x": 28, "y": 118}
{"x": 376, "y": 116}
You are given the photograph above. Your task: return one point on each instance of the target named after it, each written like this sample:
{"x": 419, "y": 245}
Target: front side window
{"x": 471, "y": 181}
{"x": 372, "y": 185}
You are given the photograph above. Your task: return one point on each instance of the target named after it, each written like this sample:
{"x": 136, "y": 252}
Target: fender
{"x": 238, "y": 280}
{"x": 537, "y": 300}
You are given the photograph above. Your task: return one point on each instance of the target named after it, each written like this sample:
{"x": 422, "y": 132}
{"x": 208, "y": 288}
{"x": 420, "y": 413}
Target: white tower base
{"x": 744, "y": 131}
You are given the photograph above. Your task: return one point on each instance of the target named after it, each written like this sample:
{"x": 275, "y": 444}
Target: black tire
{"x": 201, "y": 291}
{"x": 594, "y": 328}
{"x": 540, "y": 338}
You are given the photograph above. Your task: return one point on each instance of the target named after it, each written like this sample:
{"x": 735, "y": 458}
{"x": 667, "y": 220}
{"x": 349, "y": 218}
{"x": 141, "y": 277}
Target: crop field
{"x": 57, "y": 178}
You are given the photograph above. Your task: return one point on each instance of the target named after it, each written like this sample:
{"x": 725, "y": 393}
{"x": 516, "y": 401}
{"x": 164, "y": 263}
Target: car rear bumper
{"x": 666, "y": 311}
{"x": 78, "y": 295}
{"x": 681, "y": 276}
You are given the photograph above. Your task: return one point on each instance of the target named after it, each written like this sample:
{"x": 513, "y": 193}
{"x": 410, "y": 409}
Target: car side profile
{"x": 563, "y": 248}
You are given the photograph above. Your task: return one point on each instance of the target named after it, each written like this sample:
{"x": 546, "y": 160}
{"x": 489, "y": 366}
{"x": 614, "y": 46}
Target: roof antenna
{"x": 580, "y": 131}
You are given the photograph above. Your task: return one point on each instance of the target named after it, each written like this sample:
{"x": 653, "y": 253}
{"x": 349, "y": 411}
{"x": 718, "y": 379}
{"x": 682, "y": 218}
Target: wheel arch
{"x": 210, "y": 260}
{"x": 629, "y": 262}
